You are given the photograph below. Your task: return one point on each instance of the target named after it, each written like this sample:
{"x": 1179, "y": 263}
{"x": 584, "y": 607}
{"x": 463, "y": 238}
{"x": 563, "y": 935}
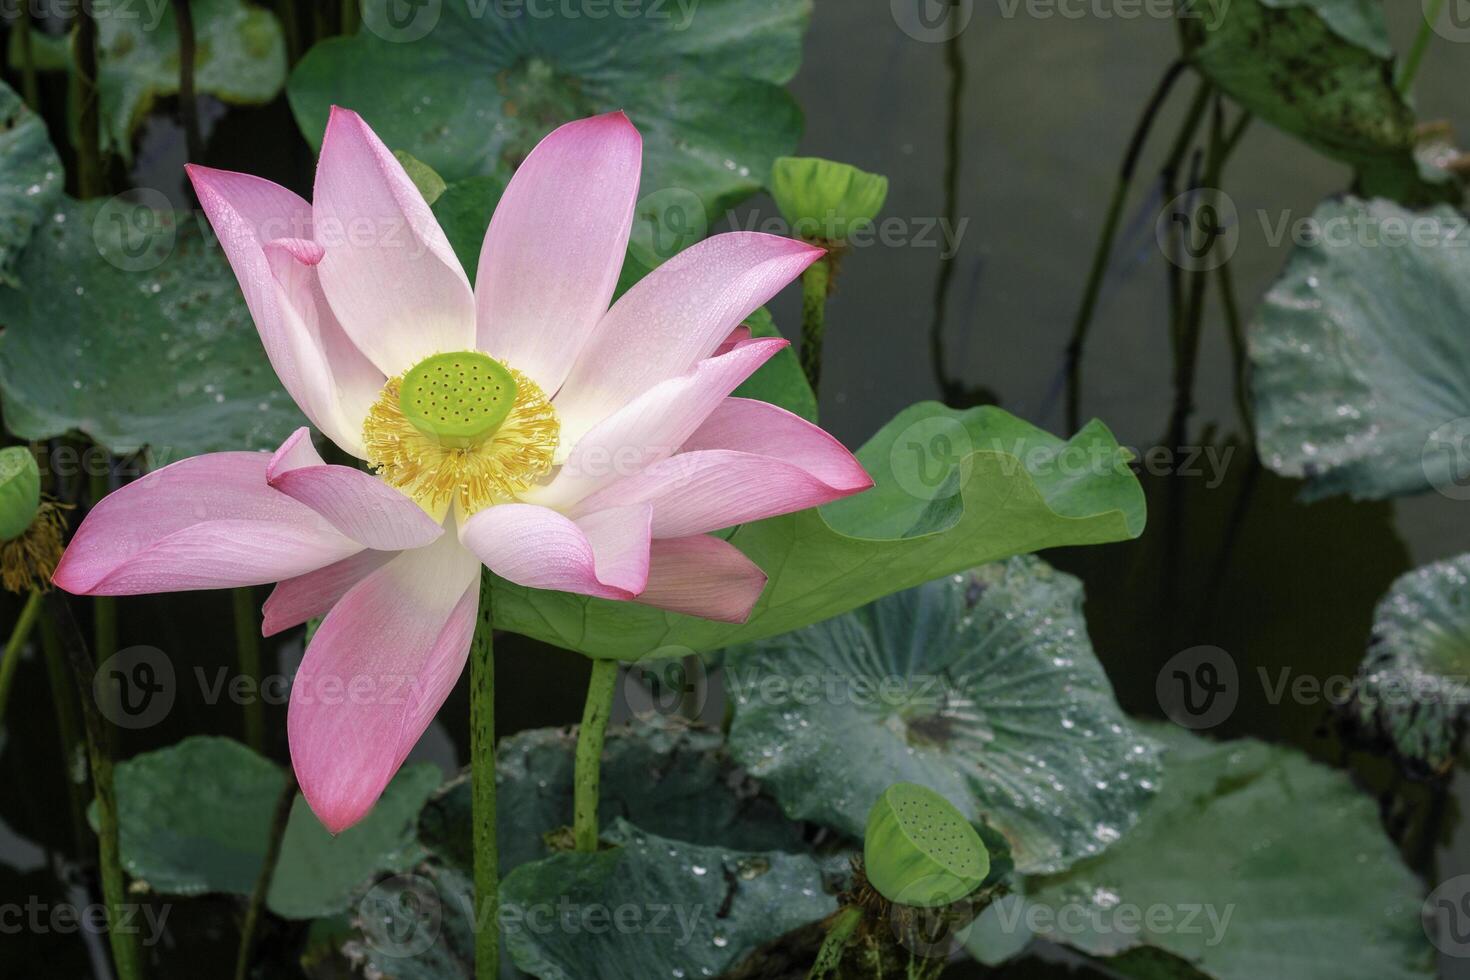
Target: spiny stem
{"x": 829, "y": 956}
{"x": 1104, "y": 251}
{"x": 188, "y": 107}
{"x": 1421, "y": 44}
{"x": 263, "y": 880}
{"x": 482, "y": 777}
{"x": 125, "y": 954}
{"x": 590, "y": 736}
{"x": 10, "y": 659}
{"x": 247, "y": 646}
{"x": 815, "y": 282}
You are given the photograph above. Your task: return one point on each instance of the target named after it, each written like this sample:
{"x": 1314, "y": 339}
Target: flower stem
{"x": 815, "y": 282}
{"x": 247, "y": 646}
{"x": 30, "y": 89}
{"x": 829, "y": 957}
{"x": 104, "y": 608}
{"x": 73, "y": 748}
{"x": 124, "y": 941}
{"x": 188, "y": 106}
{"x": 589, "y": 751}
{"x": 91, "y": 181}
{"x": 482, "y": 770}
{"x": 263, "y": 880}
{"x": 10, "y": 659}
{"x": 1421, "y": 44}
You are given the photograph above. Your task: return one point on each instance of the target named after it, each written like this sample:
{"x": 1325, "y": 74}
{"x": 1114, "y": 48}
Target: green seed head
{"x": 921, "y": 851}
{"x": 20, "y": 491}
{"x": 459, "y": 399}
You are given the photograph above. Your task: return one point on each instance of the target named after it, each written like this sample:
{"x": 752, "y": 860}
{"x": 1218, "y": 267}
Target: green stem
{"x": 482, "y": 776}
{"x": 1421, "y": 44}
{"x": 829, "y": 956}
{"x": 10, "y": 659}
{"x": 91, "y": 181}
{"x": 125, "y": 954}
{"x": 1104, "y": 251}
{"x": 954, "y": 60}
{"x": 29, "y": 87}
{"x": 350, "y": 17}
{"x": 590, "y": 737}
{"x": 247, "y": 646}
{"x": 73, "y": 749}
{"x": 188, "y": 106}
{"x": 263, "y": 880}
{"x": 1235, "y": 331}
{"x": 104, "y": 608}
{"x": 291, "y": 27}
{"x": 815, "y": 282}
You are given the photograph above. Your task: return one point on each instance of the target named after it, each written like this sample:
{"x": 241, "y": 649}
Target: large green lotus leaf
{"x": 490, "y": 79}
{"x": 33, "y": 178}
{"x": 1252, "y": 862}
{"x": 1323, "y": 71}
{"x": 700, "y": 910}
{"x": 130, "y": 327}
{"x": 195, "y": 818}
{"x": 953, "y": 490}
{"x": 1411, "y": 686}
{"x": 668, "y": 779}
{"x": 240, "y": 57}
{"x": 982, "y": 687}
{"x": 1360, "y": 356}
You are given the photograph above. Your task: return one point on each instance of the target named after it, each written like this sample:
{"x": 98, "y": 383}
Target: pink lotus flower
{"x": 522, "y": 424}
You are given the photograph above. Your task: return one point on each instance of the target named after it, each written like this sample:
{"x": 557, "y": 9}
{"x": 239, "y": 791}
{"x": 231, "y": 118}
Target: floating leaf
{"x": 1253, "y": 861}
{"x": 196, "y": 818}
{"x": 982, "y": 687}
{"x": 33, "y": 178}
{"x": 702, "y": 84}
{"x": 954, "y": 490}
{"x": 1321, "y": 70}
{"x": 688, "y": 911}
{"x": 674, "y": 781}
{"x": 1361, "y": 363}
{"x": 1412, "y": 687}
{"x": 130, "y": 327}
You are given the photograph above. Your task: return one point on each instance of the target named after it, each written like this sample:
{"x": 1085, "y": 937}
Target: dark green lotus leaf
{"x": 464, "y": 210}
{"x": 240, "y": 57}
{"x": 1323, "y": 71}
{"x": 689, "y": 911}
{"x": 1361, "y": 363}
{"x": 674, "y": 781}
{"x": 982, "y": 687}
{"x": 953, "y": 490}
{"x": 33, "y": 178}
{"x": 1411, "y": 689}
{"x": 129, "y": 326}
{"x": 780, "y": 380}
{"x": 1253, "y": 861}
{"x": 195, "y": 818}
{"x": 490, "y": 79}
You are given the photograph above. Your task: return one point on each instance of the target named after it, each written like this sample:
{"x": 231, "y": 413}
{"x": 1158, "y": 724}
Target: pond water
{"x": 1047, "y": 106}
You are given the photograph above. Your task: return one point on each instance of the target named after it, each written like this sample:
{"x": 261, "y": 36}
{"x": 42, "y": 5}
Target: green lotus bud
{"x": 921, "y": 851}
{"x": 20, "y": 491}
{"x": 824, "y": 200}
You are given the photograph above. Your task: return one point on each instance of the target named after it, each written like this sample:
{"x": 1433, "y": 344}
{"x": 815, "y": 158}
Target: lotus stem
{"x": 10, "y": 659}
{"x": 29, "y": 87}
{"x": 590, "y": 738}
{"x": 482, "y": 777}
{"x": 816, "y": 281}
{"x": 262, "y": 888}
{"x": 125, "y": 954}
{"x": 829, "y": 956}
{"x": 73, "y": 748}
{"x": 188, "y": 106}
{"x": 91, "y": 181}
{"x": 1421, "y": 44}
{"x": 247, "y": 646}
{"x": 104, "y": 608}
{"x": 954, "y": 60}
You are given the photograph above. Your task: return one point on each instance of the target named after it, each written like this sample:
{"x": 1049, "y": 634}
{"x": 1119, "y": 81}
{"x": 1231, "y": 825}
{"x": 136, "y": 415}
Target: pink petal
{"x": 737, "y": 336}
{"x": 210, "y": 522}
{"x": 603, "y": 554}
{"x": 752, "y": 426}
{"x": 382, "y": 663}
{"x": 388, "y": 272}
{"x": 693, "y": 493}
{"x": 675, "y": 317}
{"x": 651, "y": 427}
{"x": 358, "y": 504}
{"x": 329, "y": 378}
{"x": 304, "y": 597}
{"x": 555, "y": 246}
{"x": 703, "y": 576}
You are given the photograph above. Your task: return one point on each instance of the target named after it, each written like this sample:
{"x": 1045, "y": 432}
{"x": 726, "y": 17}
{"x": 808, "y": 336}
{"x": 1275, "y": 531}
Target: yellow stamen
{"x": 495, "y": 470}
{"x": 28, "y": 560}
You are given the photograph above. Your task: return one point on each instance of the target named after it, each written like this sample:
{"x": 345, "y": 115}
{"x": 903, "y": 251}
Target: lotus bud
{"x": 825, "y": 201}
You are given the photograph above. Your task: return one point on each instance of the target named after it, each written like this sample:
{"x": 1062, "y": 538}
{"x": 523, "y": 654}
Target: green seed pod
{"x": 20, "y": 491}
{"x": 458, "y": 399}
{"x": 824, "y": 200}
{"x": 921, "y": 851}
